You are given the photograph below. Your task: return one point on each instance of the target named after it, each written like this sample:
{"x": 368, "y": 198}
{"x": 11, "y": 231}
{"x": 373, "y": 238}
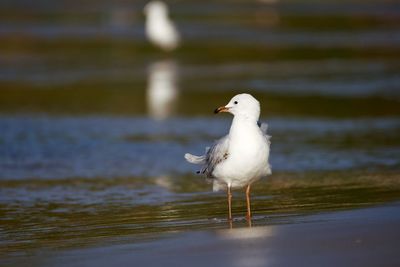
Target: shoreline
{"x": 359, "y": 237}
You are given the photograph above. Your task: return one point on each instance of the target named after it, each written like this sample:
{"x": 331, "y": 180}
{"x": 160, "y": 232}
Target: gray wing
{"x": 215, "y": 154}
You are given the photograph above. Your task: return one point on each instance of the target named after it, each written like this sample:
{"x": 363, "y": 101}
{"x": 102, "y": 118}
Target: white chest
{"x": 247, "y": 157}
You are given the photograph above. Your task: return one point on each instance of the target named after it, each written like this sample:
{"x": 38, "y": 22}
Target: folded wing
{"x": 214, "y": 155}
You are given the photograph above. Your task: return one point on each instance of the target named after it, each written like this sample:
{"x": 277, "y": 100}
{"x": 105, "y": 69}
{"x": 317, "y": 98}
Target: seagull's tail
{"x": 195, "y": 159}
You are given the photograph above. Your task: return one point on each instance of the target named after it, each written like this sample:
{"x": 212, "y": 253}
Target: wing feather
{"x": 214, "y": 155}
{"x": 217, "y": 153}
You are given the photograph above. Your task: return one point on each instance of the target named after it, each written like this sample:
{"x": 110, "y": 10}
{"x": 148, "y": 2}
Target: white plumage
{"x": 241, "y": 157}
{"x": 160, "y": 30}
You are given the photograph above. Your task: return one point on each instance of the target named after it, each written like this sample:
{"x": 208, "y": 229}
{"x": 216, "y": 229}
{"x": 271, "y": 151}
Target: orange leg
{"x": 248, "y": 215}
{"x": 229, "y": 202}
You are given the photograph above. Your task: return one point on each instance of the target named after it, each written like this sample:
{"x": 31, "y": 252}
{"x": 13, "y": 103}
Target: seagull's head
{"x": 156, "y": 8}
{"x": 242, "y": 105}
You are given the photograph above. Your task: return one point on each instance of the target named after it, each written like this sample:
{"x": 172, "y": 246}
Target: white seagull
{"x": 241, "y": 157}
{"x": 160, "y": 30}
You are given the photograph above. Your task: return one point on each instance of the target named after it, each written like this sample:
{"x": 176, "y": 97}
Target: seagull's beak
{"x": 221, "y": 109}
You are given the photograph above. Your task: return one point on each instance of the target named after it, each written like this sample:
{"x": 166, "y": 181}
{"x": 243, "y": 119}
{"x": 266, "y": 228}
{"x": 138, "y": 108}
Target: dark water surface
{"x": 94, "y": 121}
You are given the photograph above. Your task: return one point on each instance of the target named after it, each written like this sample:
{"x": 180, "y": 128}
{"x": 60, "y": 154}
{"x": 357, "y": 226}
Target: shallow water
{"x": 68, "y": 147}
{"x": 94, "y": 121}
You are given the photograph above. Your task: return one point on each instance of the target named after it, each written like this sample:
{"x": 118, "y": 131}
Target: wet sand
{"x": 363, "y": 237}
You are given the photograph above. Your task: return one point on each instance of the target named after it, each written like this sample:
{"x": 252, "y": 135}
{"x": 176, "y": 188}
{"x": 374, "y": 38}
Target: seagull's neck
{"x": 246, "y": 118}
{"x": 242, "y": 125}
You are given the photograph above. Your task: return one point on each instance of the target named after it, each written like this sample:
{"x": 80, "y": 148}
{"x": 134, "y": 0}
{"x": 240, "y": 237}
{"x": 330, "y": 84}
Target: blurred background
{"x": 94, "y": 119}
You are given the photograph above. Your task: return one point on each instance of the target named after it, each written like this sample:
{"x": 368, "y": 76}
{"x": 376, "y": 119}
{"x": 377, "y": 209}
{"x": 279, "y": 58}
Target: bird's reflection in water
{"x": 246, "y": 232}
{"x": 162, "y": 89}
{"x": 250, "y": 245}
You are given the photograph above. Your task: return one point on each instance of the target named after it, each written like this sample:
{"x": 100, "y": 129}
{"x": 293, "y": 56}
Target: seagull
{"x": 241, "y": 157}
{"x": 160, "y": 30}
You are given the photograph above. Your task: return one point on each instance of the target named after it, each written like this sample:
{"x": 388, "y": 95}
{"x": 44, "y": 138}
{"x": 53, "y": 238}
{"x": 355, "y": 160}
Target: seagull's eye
{"x": 235, "y": 102}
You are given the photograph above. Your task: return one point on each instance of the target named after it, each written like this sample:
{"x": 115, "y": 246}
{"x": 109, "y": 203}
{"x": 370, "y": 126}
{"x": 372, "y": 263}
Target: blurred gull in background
{"x": 160, "y": 30}
{"x": 162, "y": 89}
